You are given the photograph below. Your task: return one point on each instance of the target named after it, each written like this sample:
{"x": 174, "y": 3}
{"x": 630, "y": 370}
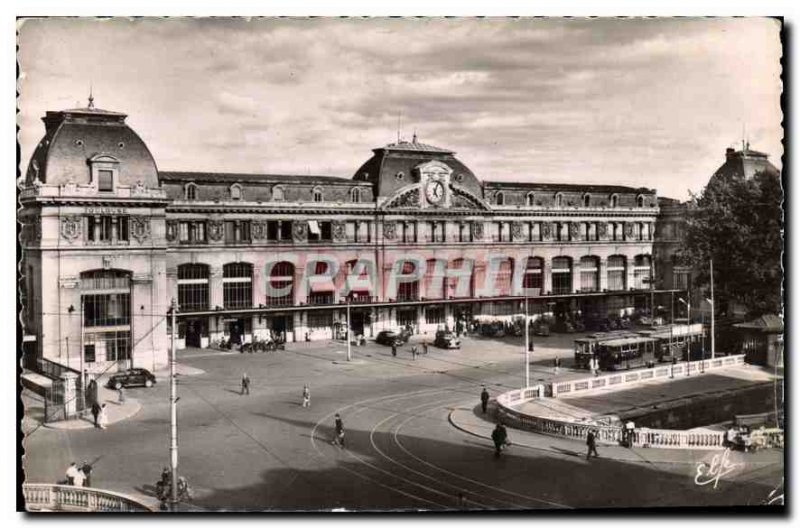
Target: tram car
{"x": 585, "y": 347}
{"x": 677, "y": 341}
{"x": 627, "y": 352}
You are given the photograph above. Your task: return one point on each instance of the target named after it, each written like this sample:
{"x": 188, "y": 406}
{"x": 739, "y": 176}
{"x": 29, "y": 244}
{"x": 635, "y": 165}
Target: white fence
{"x": 54, "y": 497}
{"x": 662, "y": 371}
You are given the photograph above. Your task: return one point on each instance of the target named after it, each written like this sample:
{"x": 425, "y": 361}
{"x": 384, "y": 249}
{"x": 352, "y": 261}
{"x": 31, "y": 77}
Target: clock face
{"x": 434, "y": 192}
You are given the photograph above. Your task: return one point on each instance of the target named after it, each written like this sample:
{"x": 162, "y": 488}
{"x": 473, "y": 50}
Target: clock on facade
{"x": 434, "y": 192}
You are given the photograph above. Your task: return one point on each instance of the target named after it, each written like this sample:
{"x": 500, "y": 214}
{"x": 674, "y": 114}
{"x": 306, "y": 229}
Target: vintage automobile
{"x": 131, "y": 378}
{"x": 446, "y": 339}
{"x": 393, "y": 337}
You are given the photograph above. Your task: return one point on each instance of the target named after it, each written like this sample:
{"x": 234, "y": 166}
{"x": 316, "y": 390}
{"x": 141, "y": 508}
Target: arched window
{"x": 562, "y": 275}
{"x": 317, "y": 194}
{"x": 237, "y": 285}
{"x": 355, "y": 195}
{"x": 614, "y": 200}
{"x": 559, "y": 200}
{"x": 640, "y": 201}
{"x": 359, "y": 291}
{"x": 616, "y": 273}
{"x": 193, "y": 287}
{"x": 278, "y": 193}
{"x": 533, "y": 274}
{"x": 190, "y": 191}
{"x": 281, "y": 282}
{"x": 236, "y": 192}
{"x": 590, "y": 268}
{"x": 499, "y": 198}
{"x": 641, "y": 272}
{"x": 587, "y": 200}
{"x": 530, "y": 199}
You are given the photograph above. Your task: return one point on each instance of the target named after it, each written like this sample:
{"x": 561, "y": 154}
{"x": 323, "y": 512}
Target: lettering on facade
{"x": 140, "y": 228}
{"x": 71, "y": 227}
{"x": 104, "y": 210}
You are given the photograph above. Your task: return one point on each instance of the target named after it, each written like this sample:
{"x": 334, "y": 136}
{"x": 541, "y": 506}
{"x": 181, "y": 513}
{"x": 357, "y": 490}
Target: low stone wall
{"x": 54, "y": 497}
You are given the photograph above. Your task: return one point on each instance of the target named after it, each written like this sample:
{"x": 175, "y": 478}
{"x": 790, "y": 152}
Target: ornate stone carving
{"x": 516, "y": 230}
{"x": 477, "y": 230}
{"x": 628, "y": 230}
{"x": 547, "y": 231}
{"x": 574, "y": 231}
{"x": 71, "y": 227}
{"x": 258, "y": 230}
{"x": 300, "y": 231}
{"x": 140, "y": 228}
{"x": 216, "y": 230}
{"x": 339, "y": 233}
{"x": 407, "y": 199}
{"x": 108, "y": 262}
{"x": 139, "y": 188}
{"x": 602, "y": 230}
{"x": 389, "y": 230}
{"x": 172, "y": 230}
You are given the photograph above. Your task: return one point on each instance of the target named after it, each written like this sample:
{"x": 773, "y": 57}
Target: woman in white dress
{"x": 102, "y": 418}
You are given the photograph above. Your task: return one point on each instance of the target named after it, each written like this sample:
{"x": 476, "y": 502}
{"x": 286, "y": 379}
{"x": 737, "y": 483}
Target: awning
{"x": 313, "y": 227}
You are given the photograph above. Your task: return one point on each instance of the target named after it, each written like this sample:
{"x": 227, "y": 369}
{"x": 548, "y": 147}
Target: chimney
{"x": 729, "y": 153}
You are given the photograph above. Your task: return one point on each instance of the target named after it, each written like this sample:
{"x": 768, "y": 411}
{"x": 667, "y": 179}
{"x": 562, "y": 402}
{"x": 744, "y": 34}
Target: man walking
{"x": 500, "y": 438}
{"x": 591, "y": 444}
{"x": 86, "y": 468}
{"x": 245, "y": 384}
{"x": 425, "y": 348}
{"x": 394, "y": 350}
{"x": 414, "y": 352}
{"x": 484, "y": 399}
{"x": 338, "y": 427}
{"x": 95, "y": 412}
{"x": 306, "y": 396}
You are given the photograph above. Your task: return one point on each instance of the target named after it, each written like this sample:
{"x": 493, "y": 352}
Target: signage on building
{"x": 104, "y": 210}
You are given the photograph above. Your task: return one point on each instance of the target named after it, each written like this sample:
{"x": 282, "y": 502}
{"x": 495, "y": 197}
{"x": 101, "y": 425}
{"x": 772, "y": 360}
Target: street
{"x": 265, "y": 451}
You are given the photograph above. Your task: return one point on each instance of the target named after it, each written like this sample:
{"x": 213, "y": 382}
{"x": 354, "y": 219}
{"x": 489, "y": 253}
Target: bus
{"x": 627, "y": 352}
{"x": 585, "y": 347}
{"x": 675, "y": 341}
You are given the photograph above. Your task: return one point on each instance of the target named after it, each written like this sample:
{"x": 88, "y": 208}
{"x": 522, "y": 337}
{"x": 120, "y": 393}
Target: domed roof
{"x": 75, "y": 136}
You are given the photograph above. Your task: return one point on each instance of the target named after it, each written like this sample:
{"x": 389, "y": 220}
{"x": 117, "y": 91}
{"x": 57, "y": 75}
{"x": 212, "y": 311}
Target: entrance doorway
{"x": 358, "y": 321}
{"x": 282, "y": 325}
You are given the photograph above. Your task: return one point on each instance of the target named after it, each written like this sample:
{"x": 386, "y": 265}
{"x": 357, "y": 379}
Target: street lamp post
{"x": 347, "y": 332}
{"x": 688, "y": 323}
{"x": 711, "y": 300}
{"x": 173, "y": 389}
{"x": 527, "y": 348}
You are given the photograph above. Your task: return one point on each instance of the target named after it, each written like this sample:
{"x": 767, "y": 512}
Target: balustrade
{"x": 53, "y": 497}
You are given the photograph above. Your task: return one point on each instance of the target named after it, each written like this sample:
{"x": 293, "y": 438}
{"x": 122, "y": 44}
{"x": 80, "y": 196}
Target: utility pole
{"x": 173, "y": 407}
{"x": 527, "y": 348}
{"x": 713, "y": 349}
{"x": 347, "y": 333}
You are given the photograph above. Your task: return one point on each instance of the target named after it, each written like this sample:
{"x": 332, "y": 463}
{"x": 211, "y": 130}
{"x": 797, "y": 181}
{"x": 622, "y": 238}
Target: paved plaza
{"x": 414, "y": 437}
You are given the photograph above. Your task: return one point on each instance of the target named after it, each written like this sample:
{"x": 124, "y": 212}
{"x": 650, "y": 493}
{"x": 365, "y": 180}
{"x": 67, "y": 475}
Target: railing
{"x": 587, "y": 384}
{"x": 578, "y": 431}
{"x": 54, "y": 497}
{"x": 677, "y": 439}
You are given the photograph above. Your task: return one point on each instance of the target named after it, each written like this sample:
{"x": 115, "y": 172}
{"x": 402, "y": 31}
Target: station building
{"x": 109, "y": 239}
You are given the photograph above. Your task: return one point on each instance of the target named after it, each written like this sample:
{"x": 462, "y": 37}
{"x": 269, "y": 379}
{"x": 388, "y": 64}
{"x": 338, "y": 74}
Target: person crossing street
{"x": 484, "y": 399}
{"x": 338, "y": 431}
{"x": 591, "y": 444}
{"x": 306, "y": 396}
{"x": 500, "y": 438}
{"x": 245, "y": 384}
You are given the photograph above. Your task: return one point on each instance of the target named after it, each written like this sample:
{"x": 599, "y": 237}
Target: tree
{"x": 739, "y": 223}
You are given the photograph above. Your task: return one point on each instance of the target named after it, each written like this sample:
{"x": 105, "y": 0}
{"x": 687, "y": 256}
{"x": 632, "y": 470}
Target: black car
{"x": 391, "y": 337}
{"x": 136, "y": 377}
{"x": 445, "y": 339}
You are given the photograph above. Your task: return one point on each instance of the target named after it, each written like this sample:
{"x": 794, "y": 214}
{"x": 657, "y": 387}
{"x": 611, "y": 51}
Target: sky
{"x": 639, "y": 102}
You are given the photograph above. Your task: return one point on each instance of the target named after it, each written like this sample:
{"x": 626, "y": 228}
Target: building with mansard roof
{"x": 414, "y": 238}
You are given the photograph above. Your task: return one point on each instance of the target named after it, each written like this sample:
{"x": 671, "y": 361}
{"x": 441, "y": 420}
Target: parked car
{"x": 445, "y": 339}
{"x": 393, "y": 337}
{"x": 132, "y": 378}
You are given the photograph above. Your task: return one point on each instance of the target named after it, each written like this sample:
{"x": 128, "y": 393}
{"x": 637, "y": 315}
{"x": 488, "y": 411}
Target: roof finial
{"x": 91, "y": 97}
{"x": 414, "y": 138}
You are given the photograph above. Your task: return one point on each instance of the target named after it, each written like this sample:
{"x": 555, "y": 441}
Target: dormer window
{"x": 640, "y": 201}
{"x": 190, "y": 191}
{"x": 587, "y": 200}
{"x": 355, "y": 195}
{"x": 104, "y": 171}
{"x": 529, "y": 199}
{"x": 614, "y": 200}
{"x": 559, "y": 200}
{"x": 236, "y": 192}
{"x": 317, "y": 194}
{"x": 499, "y": 198}
{"x": 277, "y": 193}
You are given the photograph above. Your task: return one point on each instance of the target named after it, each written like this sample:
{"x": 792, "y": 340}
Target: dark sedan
{"x": 136, "y": 377}
{"x": 390, "y": 337}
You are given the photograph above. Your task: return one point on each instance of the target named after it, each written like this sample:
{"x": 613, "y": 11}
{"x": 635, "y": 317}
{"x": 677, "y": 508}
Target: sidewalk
{"x": 115, "y": 411}
{"x": 467, "y": 418}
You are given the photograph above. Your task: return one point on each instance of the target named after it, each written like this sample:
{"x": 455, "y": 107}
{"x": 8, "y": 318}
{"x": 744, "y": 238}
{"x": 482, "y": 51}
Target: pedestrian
{"x": 394, "y": 350}
{"x": 484, "y": 399}
{"x": 591, "y": 444}
{"x": 414, "y": 352}
{"x": 91, "y": 392}
{"x": 556, "y": 365}
{"x": 72, "y": 472}
{"x": 425, "y": 348}
{"x": 102, "y": 417}
{"x": 629, "y": 428}
{"x": 79, "y": 479}
{"x": 86, "y": 469}
{"x": 500, "y": 438}
{"x": 95, "y": 412}
{"x": 121, "y": 394}
{"x": 306, "y": 396}
{"x": 245, "y": 384}
{"x": 338, "y": 438}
